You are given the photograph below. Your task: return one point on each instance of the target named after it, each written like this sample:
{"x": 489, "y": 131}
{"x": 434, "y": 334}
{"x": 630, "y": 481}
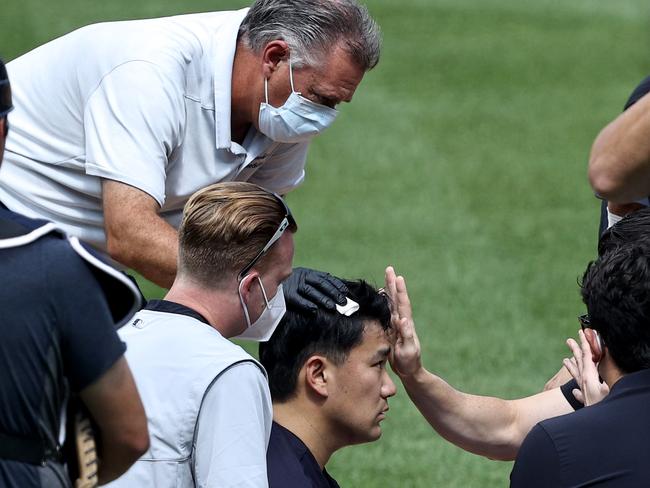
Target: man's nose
{"x": 388, "y": 388}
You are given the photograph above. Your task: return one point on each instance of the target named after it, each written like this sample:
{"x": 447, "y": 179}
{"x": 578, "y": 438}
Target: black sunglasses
{"x": 585, "y": 321}
{"x": 5, "y": 98}
{"x": 286, "y": 222}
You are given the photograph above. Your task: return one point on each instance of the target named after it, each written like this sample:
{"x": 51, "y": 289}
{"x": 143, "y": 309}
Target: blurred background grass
{"x": 462, "y": 162}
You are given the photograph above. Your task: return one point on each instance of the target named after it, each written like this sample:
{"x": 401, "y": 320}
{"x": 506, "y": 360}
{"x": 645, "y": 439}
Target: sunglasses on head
{"x": 286, "y": 222}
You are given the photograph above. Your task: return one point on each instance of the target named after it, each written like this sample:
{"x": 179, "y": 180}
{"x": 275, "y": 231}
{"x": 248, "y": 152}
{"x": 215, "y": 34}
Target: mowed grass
{"x": 462, "y": 162}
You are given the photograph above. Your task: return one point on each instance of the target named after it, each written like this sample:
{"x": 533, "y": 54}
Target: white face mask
{"x": 262, "y": 329}
{"x": 298, "y": 119}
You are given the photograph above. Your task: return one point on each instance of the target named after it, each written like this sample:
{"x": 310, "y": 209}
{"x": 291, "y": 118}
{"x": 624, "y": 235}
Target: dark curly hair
{"x": 616, "y": 290}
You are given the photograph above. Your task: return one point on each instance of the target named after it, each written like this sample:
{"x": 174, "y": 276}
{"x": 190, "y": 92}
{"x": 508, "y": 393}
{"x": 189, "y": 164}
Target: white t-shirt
{"x": 143, "y": 102}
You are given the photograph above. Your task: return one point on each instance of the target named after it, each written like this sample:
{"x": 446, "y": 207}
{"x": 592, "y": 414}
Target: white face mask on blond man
{"x": 297, "y": 120}
{"x": 262, "y": 329}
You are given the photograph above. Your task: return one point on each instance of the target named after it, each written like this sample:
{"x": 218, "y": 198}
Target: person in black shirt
{"x": 60, "y": 307}
{"x": 605, "y": 443}
{"x": 329, "y": 385}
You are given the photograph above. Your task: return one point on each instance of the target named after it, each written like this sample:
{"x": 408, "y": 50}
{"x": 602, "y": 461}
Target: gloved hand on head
{"x": 307, "y": 289}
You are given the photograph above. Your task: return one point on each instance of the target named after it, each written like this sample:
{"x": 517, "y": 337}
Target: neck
{"x": 306, "y": 426}
{"x": 244, "y": 96}
{"x": 220, "y": 309}
{"x": 609, "y": 372}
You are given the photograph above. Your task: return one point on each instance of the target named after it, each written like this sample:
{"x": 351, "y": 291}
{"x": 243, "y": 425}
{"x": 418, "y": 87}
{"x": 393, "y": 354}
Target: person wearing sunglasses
{"x": 207, "y": 401}
{"x": 604, "y": 444}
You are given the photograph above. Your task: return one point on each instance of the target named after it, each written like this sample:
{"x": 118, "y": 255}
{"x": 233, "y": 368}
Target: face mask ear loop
{"x": 241, "y": 299}
{"x": 268, "y": 305}
{"x": 266, "y": 89}
{"x": 291, "y": 74}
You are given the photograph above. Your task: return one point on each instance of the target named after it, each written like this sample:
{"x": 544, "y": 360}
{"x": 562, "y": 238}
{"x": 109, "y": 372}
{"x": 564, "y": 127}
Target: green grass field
{"x": 462, "y": 162}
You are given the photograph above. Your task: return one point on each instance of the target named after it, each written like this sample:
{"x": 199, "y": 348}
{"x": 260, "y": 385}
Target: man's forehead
{"x": 374, "y": 339}
{"x": 339, "y": 74}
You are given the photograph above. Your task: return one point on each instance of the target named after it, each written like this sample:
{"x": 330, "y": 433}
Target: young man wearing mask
{"x": 329, "y": 384}
{"x": 207, "y": 401}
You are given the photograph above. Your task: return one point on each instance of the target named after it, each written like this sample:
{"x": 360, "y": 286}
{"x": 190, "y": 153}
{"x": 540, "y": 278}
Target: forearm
{"x": 151, "y": 250}
{"x": 136, "y": 236}
{"x": 619, "y": 164}
{"x": 482, "y": 425}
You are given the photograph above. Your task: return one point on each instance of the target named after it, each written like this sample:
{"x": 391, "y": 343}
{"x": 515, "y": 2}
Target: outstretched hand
{"x": 585, "y": 371}
{"x": 405, "y": 357}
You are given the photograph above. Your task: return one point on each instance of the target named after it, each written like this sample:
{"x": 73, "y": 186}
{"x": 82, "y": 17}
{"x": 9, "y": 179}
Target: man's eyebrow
{"x": 381, "y": 353}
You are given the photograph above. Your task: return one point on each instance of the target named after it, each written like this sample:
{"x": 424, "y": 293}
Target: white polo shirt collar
{"x": 224, "y": 45}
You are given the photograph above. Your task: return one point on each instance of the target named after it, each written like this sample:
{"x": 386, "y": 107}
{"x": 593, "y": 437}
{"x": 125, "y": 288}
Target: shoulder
{"x": 283, "y": 460}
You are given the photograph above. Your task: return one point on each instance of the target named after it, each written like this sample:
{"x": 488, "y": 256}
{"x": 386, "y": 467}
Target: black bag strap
{"x": 26, "y": 450}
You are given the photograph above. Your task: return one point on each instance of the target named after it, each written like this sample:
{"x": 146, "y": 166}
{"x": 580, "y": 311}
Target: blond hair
{"x": 224, "y": 226}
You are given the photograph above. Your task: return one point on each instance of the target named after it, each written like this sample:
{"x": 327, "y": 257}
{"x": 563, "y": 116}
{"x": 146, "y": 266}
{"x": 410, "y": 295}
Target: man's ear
{"x": 247, "y": 283}
{"x": 596, "y": 345}
{"x": 272, "y": 54}
{"x": 317, "y": 375}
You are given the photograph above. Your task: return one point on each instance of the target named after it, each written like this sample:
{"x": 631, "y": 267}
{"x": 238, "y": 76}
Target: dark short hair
{"x": 616, "y": 290}
{"x": 635, "y": 227}
{"x": 302, "y": 334}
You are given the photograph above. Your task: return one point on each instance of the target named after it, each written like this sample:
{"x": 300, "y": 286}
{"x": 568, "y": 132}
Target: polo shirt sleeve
{"x": 284, "y": 168}
{"x": 132, "y": 123}
{"x": 537, "y": 464}
{"x": 233, "y": 430}
{"x": 89, "y": 341}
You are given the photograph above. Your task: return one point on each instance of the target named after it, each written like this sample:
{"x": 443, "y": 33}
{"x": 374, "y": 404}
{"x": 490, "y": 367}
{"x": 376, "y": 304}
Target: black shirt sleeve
{"x": 90, "y": 344}
{"x": 567, "y": 391}
{"x": 639, "y": 91}
{"x": 537, "y": 464}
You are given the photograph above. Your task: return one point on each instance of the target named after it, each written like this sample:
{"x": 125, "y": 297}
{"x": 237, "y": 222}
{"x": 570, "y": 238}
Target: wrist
{"x": 417, "y": 376}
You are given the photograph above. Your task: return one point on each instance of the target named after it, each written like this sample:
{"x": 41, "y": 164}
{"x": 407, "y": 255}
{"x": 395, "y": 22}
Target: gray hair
{"x": 312, "y": 28}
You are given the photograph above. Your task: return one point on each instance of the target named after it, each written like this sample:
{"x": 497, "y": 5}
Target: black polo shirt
{"x": 291, "y": 464}
{"x": 602, "y": 445}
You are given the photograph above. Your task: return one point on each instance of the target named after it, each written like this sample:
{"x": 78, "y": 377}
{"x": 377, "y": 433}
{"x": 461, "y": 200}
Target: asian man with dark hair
{"x": 329, "y": 385}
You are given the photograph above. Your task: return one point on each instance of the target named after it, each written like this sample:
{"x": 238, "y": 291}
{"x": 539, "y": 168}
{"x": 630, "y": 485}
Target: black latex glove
{"x": 308, "y": 289}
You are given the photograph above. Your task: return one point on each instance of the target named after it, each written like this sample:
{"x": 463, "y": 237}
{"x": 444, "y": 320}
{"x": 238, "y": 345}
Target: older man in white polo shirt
{"x": 117, "y": 124}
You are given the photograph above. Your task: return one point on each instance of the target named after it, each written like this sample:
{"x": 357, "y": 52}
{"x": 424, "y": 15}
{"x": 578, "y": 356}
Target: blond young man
{"x": 207, "y": 401}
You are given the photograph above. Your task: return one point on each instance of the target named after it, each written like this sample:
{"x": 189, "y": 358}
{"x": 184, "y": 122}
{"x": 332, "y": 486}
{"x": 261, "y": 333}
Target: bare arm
{"x": 487, "y": 426}
{"x": 114, "y": 404}
{"x": 136, "y": 236}
{"x": 619, "y": 164}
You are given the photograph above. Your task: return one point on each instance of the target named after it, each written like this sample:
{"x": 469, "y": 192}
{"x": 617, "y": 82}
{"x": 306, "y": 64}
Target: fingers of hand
{"x": 584, "y": 345}
{"x": 571, "y": 366}
{"x": 576, "y": 351}
{"x": 328, "y": 285}
{"x": 577, "y": 394}
{"x": 296, "y": 301}
{"x": 316, "y": 297}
